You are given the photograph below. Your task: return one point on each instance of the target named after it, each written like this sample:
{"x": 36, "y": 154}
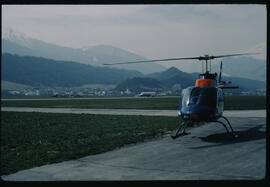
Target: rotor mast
{"x": 206, "y": 58}
{"x": 206, "y": 66}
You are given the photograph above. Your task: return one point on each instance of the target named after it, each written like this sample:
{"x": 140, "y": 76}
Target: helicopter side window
{"x": 185, "y": 96}
{"x": 220, "y": 95}
{"x": 190, "y": 96}
{"x": 194, "y": 96}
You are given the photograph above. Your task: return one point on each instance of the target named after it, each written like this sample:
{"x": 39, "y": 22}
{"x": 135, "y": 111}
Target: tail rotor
{"x": 220, "y": 73}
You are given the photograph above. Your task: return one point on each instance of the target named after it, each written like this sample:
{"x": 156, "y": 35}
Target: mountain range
{"x": 35, "y": 63}
{"x": 38, "y": 72}
{"x": 169, "y": 79}
{"x": 17, "y": 43}
{"x": 174, "y": 79}
{"x": 242, "y": 66}
{"x": 42, "y": 72}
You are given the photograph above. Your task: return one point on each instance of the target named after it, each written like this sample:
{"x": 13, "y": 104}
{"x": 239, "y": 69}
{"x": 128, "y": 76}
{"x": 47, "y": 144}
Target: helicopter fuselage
{"x": 202, "y": 102}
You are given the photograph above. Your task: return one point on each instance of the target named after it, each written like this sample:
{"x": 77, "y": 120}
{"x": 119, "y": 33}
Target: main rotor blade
{"x": 221, "y": 56}
{"x": 206, "y": 57}
{"x": 157, "y": 60}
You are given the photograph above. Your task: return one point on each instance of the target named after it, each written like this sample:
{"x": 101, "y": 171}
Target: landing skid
{"x": 174, "y": 135}
{"x": 182, "y": 127}
{"x": 181, "y": 130}
{"x": 234, "y": 135}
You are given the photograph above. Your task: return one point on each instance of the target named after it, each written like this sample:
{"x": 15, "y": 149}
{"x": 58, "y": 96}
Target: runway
{"x": 208, "y": 153}
{"x": 229, "y": 113}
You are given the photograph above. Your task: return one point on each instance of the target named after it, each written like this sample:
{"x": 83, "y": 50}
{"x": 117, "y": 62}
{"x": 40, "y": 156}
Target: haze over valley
{"x": 35, "y": 65}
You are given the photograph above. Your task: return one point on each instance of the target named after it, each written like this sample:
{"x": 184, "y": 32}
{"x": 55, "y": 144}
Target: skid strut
{"x": 181, "y": 130}
{"x": 234, "y": 135}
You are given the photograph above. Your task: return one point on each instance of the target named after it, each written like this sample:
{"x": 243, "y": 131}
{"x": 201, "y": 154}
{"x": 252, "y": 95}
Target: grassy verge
{"x": 34, "y": 139}
{"x": 244, "y": 102}
{"x": 123, "y": 103}
{"x": 168, "y": 103}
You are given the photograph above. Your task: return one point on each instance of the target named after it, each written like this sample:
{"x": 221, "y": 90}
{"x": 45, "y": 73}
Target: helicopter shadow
{"x": 224, "y": 138}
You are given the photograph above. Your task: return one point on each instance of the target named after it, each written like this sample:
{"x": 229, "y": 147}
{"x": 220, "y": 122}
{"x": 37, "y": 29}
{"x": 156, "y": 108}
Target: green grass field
{"x": 166, "y": 103}
{"x": 34, "y": 139}
{"x": 244, "y": 102}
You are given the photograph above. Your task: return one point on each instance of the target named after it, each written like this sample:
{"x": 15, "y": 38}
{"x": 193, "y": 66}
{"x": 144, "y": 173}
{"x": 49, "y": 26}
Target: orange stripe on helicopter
{"x": 204, "y": 82}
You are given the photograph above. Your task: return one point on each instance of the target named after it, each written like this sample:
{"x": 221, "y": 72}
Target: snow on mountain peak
{"x": 85, "y": 48}
{"x": 17, "y": 37}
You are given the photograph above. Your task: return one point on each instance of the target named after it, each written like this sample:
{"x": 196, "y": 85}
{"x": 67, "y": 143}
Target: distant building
{"x": 127, "y": 92}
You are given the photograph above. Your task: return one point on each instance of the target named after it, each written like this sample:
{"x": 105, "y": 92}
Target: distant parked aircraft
{"x": 147, "y": 94}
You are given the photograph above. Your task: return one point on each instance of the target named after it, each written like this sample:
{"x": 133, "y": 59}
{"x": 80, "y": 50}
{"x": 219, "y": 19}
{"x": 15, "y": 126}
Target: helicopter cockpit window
{"x": 186, "y": 99}
{"x": 208, "y": 97}
{"x": 194, "y": 95}
{"x": 199, "y": 96}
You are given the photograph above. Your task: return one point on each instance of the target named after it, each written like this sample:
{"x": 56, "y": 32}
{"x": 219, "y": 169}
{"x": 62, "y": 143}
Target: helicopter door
{"x": 220, "y": 102}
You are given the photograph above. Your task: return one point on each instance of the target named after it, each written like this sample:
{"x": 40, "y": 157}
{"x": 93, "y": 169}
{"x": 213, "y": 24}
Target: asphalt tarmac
{"x": 207, "y": 153}
{"x": 231, "y": 113}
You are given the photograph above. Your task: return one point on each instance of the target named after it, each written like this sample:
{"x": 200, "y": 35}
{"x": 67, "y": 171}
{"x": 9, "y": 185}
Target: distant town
{"x": 106, "y": 92}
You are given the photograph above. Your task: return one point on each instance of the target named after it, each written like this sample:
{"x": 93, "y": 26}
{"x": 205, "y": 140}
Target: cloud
{"x": 181, "y": 12}
{"x": 154, "y": 31}
{"x": 131, "y": 19}
{"x": 77, "y": 20}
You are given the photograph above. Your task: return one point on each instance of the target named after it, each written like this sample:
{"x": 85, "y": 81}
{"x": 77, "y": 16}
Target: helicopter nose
{"x": 194, "y": 116}
{"x": 190, "y": 117}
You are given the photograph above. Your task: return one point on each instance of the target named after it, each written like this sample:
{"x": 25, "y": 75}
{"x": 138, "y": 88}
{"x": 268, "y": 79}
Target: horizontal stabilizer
{"x": 228, "y": 87}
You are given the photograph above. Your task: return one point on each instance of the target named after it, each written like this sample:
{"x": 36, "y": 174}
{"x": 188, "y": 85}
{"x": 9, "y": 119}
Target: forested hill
{"x": 173, "y": 78}
{"x": 35, "y": 71}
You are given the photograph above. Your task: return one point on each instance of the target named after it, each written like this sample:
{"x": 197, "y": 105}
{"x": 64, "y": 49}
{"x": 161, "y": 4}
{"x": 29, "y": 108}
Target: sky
{"x": 152, "y": 31}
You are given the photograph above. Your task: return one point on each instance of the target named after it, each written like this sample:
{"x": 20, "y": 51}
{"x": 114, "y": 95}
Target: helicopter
{"x": 203, "y": 102}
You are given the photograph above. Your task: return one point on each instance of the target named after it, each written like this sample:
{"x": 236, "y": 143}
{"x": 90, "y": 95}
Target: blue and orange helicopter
{"x": 203, "y": 102}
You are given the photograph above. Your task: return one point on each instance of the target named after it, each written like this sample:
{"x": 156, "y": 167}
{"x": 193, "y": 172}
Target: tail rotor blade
{"x": 220, "y": 72}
